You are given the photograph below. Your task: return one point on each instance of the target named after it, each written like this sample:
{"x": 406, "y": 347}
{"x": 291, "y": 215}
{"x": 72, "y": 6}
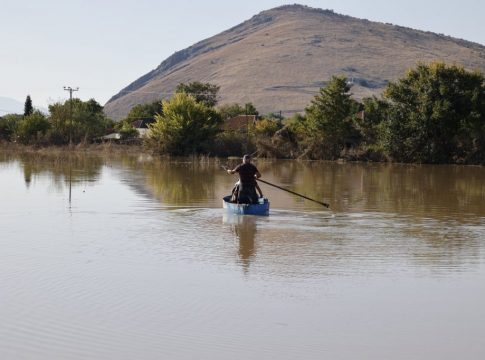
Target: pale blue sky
{"x": 101, "y": 46}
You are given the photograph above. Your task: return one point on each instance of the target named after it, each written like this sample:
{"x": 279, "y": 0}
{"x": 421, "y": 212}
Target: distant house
{"x": 239, "y": 123}
{"x": 141, "y": 125}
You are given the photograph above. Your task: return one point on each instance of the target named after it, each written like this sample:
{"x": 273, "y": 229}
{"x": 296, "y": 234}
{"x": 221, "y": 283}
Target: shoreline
{"x": 91, "y": 149}
{"x": 140, "y": 150}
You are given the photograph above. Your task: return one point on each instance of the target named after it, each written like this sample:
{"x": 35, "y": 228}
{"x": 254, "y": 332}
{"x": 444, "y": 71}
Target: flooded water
{"x": 143, "y": 263}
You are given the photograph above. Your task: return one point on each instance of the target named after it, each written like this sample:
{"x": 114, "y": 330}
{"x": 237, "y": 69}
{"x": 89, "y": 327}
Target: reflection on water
{"x": 454, "y": 192}
{"x": 146, "y": 264}
{"x": 244, "y": 228}
{"x": 57, "y": 169}
{"x": 418, "y": 190}
{"x": 179, "y": 183}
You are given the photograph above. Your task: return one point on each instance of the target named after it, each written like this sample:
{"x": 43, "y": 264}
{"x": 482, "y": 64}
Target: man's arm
{"x": 233, "y": 171}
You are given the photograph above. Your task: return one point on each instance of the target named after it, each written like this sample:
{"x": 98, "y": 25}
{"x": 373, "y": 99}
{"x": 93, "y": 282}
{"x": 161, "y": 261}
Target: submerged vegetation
{"x": 433, "y": 114}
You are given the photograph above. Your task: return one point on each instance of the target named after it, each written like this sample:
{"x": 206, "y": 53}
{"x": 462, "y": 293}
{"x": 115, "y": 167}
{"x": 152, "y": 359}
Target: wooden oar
{"x": 294, "y": 193}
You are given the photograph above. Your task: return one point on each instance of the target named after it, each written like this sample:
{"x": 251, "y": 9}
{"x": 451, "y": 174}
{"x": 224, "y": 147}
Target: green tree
{"x": 88, "y": 121}
{"x": 286, "y": 142}
{"x": 142, "y": 111}
{"x": 250, "y": 109}
{"x": 8, "y": 126}
{"x": 137, "y": 112}
{"x": 436, "y": 115}
{"x": 60, "y": 119}
{"x": 329, "y": 120}
{"x": 375, "y": 112}
{"x": 92, "y": 121}
{"x": 127, "y": 131}
{"x": 266, "y": 127}
{"x": 32, "y": 128}
{"x": 28, "y": 109}
{"x": 205, "y": 93}
{"x": 275, "y": 116}
{"x": 228, "y": 111}
{"x": 186, "y": 126}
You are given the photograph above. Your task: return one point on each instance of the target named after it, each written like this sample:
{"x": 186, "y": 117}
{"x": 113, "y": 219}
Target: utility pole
{"x": 70, "y": 89}
{"x": 247, "y": 128}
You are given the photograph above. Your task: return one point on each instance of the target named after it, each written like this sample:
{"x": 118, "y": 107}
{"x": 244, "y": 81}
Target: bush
{"x": 371, "y": 126}
{"x": 86, "y": 123}
{"x": 142, "y": 111}
{"x": 32, "y": 128}
{"x": 231, "y": 143}
{"x": 266, "y": 127}
{"x": 185, "y": 127}
{"x": 436, "y": 115}
{"x": 128, "y": 132}
{"x": 329, "y": 121}
{"x": 8, "y": 126}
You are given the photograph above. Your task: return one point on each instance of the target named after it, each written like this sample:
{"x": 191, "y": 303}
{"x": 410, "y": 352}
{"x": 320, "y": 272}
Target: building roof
{"x": 239, "y": 122}
{"x": 142, "y": 123}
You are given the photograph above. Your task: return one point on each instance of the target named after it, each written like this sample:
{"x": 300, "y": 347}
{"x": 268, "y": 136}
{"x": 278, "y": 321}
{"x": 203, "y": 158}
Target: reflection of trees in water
{"x": 427, "y": 191}
{"x": 179, "y": 182}
{"x": 287, "y": 171}
{"x": 438, "y": 202}
{"x": 58, "y": 168}
{"x": 443, "y": 244}
{"x": 417, "y": 190}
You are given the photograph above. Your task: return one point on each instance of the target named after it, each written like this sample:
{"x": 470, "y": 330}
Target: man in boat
{"x": 248, "y": 173}
{"x": 235, "y": 191}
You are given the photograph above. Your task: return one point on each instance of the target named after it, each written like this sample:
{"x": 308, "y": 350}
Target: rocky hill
{"x": 279, "y": 58}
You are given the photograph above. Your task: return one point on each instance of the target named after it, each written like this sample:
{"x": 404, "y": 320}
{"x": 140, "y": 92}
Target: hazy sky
{"x": 101, "y": 46}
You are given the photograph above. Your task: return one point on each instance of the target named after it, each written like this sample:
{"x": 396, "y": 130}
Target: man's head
{"x": 246, "y": 159}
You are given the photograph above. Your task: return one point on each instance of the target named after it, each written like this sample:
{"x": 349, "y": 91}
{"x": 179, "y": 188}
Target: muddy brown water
{"x": 145, "y": 264}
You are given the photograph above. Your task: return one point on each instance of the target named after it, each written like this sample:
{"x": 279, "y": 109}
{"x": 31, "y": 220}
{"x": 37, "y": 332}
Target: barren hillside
{"x": 279, "y": 58}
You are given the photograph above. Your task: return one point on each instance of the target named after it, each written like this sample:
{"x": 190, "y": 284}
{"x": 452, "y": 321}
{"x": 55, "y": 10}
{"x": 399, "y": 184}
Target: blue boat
{"x": 246, "y": 209}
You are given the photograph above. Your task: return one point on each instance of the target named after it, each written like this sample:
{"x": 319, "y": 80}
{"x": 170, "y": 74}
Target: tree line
{"x": 435, "y": 113}
{"x": 72, "y": 121}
